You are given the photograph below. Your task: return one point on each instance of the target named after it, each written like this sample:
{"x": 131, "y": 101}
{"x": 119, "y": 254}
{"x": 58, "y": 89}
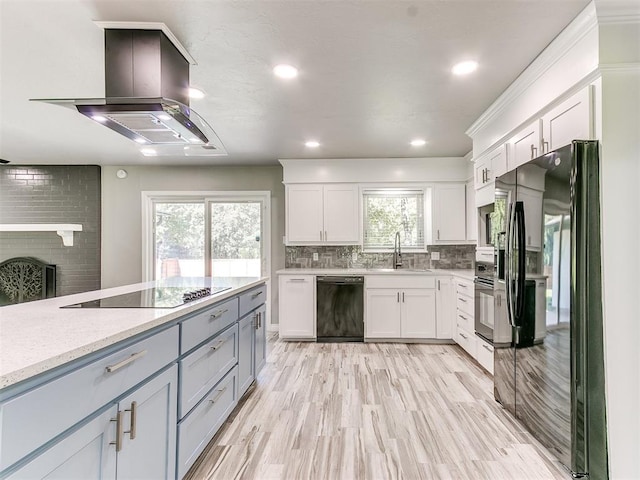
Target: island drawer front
{"x": 465, "y": 321}
{"x": 203, "y": 325}
{"x": 252, "y": 299}
{"x": 198, "y": 428}
{"x": 76, "y": 395}
{"x": 400, "y": 281}
{"x": 204, "y": 367}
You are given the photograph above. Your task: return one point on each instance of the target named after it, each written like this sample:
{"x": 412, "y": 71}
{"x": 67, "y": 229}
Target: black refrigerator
{"x": 549, "y": 371}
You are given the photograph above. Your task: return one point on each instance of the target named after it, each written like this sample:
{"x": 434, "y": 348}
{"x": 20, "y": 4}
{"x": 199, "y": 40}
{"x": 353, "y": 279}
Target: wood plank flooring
{"x": 372, "y": 411}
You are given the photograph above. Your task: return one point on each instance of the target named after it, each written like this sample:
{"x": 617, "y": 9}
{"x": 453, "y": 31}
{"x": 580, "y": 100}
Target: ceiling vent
{"x": 147, "y": 93}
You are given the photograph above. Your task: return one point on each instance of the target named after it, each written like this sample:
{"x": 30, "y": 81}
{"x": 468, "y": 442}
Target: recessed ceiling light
{"x": 99, "y": 118}
{"x": 418, "y": 142}
{"x": 463, "y": 68}
{"x": 285, "y": 71}
{"x": 195, "y": 93}
{"x": 312, "y": 144}
{"x": 148, "y": 152}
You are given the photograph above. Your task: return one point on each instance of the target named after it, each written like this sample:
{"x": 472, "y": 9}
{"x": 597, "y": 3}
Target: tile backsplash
{"x": 451, "y": 257}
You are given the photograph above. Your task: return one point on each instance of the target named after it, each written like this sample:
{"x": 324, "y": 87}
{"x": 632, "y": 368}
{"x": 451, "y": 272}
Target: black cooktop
{"x": 155, "y": 297}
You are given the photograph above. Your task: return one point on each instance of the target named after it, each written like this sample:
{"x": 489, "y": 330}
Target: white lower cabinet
{"x": 484, "y": 354}
{"x": 84, "y": 454}
{"x": 400, "y": 307}
{"x": 297, "y": 306}
{"x": 445, "y": 308}
{"x": 382, "y": 313}
{"x": 465, "y": 327}
{"x": 418, "y": 313}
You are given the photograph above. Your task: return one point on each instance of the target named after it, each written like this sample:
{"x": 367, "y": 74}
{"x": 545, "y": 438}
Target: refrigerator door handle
{"x": 508, "y": 266}
{"x": 521, "y": 267}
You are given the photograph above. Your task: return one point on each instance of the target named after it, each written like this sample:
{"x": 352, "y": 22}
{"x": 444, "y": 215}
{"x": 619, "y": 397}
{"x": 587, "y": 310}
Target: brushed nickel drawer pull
{"x": 463, "y": 317}
{"x": 486, "y": 347}
{"x": 217, "y": 397}
{"x": 133, "y": 422}
{"x": 218, "y": 314}
{"x": 463, "y": 335}
{"x": 125, "y": 362}
{"x": 462, "y": 300}
{"x": 297, "y": 280}
{"x": 218, "y": 345}
{"x": 463, "y": 285}
{"x": 119, "y": 431}
{"x": 256, "y": 295}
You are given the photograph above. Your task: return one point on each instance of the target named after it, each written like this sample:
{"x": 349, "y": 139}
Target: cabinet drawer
{"x": 465, "y": 305}
{"x": 198, "y": 428}
{"x": 203, "y": 368}
{"x": 198, "y": 328}
{"x": 400, "y": 281}
{"x": 27, "y": 422}
{"x": 467, "y": 341}
{"x": 484, "y": 355}
{"x": 252, "y": 299}
{"x": 465, "y": 321}
{"x": 464, "y": 287}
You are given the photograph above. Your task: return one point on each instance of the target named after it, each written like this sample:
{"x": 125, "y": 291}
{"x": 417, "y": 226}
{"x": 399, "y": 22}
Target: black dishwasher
{"x": 340, "y": 309}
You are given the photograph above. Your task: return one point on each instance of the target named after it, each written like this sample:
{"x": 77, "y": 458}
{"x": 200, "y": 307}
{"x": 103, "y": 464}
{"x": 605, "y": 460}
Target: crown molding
{"x": 618, "y": 11}
{"x": 583, "y": 24}
{"x": 619, "y": 67}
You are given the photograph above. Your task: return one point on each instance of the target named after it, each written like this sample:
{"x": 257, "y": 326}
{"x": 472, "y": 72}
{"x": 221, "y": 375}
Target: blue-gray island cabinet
{"x": 145, "y": 399}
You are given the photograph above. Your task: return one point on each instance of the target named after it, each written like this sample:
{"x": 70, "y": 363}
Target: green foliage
{"x": 179, "y": 230}
{"x": 235, "y": 231}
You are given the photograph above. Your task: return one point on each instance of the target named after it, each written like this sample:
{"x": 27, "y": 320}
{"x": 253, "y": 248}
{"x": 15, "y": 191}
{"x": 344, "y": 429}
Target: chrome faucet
{"x": 397, "y": 255}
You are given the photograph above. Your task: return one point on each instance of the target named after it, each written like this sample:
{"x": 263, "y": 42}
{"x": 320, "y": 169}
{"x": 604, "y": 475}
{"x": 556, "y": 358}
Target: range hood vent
{"x": 147, "y": 95}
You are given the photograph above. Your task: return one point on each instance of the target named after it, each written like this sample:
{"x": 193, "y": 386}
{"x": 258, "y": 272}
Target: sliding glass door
{"x": 218, "y": 236}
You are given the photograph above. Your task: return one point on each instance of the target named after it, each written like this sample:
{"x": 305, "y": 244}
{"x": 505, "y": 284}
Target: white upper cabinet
{"x": 449, "y": 213}
{"x": 487, "y": 168}
{"x": 341, "y": 219}
{"x": 322, "y": 214}
{"x": 472, "y": 227}
{"x": 571, "y": 120}
{"x": 524, "y": 145}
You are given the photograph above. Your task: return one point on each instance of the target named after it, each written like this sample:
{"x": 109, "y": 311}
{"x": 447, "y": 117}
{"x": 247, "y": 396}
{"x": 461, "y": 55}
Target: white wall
{"x": 122, "y": 211}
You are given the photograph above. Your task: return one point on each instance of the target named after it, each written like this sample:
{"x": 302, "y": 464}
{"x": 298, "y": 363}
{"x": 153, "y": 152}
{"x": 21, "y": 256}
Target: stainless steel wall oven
{"x": 484, "y": 312}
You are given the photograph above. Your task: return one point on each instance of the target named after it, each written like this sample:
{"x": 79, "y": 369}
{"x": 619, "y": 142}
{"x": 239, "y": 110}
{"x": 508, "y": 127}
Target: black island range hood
{"x": 147, "y": 96}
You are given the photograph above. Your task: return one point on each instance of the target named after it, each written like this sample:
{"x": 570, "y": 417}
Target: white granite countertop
{"x": 466, "y": 273}
{"x": 38, "y": 336}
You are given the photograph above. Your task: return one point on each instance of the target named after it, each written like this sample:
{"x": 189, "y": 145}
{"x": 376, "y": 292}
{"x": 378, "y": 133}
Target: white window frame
{"x": 149, "y": 198}
{"x": 426, "y": 198}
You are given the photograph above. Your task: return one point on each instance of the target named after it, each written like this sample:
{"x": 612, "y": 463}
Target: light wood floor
{"x": 372, "y": 411}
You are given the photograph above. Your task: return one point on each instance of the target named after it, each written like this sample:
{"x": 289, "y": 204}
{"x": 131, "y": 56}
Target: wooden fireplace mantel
{"x": 65, "y": 230}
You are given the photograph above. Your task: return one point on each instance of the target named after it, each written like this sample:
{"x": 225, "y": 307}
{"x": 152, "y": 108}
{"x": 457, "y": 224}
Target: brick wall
{"x": 54, "y": 194}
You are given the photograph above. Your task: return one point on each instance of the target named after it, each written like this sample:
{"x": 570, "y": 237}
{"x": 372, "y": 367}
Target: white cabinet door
{"x": 297, "y": 306}
{"x": 149, "y": 431}
{"x": 84, "y": 454}
{"x": 498, "y": 165}
{"x": 471, "y": 213}
{"x": 304, "y": 214}
{"x": 524, "y": 146}
{"x": 445, "y": 308}
{"x": 449, "y": 207}
{"x": 246, "y": 352}
{"x": 383, "y": 313}
{"x": 341, "y": 218}
{"x": 532, "y": 200}
{"x": 260, "y": 353}
{"x": 571, "y": 120}
{"x": 418, "y": 313}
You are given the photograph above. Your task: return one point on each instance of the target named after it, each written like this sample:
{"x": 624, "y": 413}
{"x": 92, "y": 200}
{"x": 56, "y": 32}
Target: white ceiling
{"x": 373, "y": 74}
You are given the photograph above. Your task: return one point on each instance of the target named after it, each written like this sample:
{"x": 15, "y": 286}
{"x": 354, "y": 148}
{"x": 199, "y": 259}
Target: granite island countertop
{"x": 38, "y": 336}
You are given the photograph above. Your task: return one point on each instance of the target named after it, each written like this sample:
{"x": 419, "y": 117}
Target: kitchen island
{"x": 114, "y": 392}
